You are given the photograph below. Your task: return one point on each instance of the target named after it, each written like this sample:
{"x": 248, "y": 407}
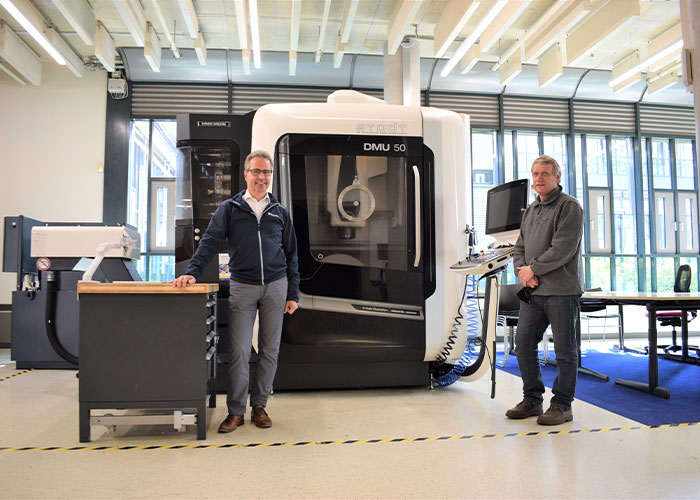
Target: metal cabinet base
{"x": 146, "y": 351}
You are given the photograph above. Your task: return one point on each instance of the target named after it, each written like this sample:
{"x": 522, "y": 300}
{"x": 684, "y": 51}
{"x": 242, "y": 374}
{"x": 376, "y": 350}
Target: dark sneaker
{"x": 524, "y": 409}
{"x": 555, "y": 416}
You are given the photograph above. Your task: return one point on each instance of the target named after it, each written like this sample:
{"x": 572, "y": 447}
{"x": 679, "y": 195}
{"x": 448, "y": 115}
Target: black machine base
{"x": 351, "y": 375}
{"x": 304, "y": 376}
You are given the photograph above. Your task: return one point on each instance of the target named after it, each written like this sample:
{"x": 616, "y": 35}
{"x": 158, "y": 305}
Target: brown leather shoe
{"x": 555, "y": 416}
{"x": 231, "y": 422}
{"x": 524, "y": 409}
{"x": 260, "y": 417}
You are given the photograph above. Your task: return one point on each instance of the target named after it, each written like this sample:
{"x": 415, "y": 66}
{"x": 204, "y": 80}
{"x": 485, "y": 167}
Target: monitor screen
{"x": 505, "y": 205}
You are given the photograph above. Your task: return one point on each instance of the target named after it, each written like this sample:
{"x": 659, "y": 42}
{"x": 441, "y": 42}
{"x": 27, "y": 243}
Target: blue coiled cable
{"x": 472, "y": 322}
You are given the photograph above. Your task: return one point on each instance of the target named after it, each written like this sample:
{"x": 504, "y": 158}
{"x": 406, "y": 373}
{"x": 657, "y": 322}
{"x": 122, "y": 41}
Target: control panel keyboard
{"x": 484, "y": 261}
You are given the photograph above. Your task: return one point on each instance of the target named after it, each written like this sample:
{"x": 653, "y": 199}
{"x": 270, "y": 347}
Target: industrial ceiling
{"x": 624, "y": 50}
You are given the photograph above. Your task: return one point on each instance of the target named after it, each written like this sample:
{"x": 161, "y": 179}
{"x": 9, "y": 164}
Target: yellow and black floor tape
{"x": 16, "y": 374}
{"x": 349, "y": 441}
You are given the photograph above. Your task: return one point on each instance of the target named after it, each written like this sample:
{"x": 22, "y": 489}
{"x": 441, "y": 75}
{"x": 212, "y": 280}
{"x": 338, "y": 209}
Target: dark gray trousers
{"x": 244, "y": 302}
{"x": 561, "y": 312}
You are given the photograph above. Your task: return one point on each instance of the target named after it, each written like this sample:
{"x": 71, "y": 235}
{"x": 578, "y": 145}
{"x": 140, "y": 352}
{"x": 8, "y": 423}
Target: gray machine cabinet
{"x": 146, "y": 350}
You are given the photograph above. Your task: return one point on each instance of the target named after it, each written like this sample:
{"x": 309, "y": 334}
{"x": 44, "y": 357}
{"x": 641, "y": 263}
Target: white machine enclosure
{"x": 83, "y": 241}
{"x": 442, "y": 132}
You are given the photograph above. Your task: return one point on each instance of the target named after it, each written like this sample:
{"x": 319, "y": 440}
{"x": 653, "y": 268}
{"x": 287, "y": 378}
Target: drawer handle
{"x": 211, "y": 352}
{"x": 211, "y": 335}
{"x": 211, "y": 303}
{"x": 211, "y": 319}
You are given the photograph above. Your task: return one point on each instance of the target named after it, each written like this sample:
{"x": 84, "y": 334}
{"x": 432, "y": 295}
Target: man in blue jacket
{"x": 262, "y": 250}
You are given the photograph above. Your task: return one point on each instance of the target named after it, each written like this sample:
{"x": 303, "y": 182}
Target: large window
{"x": 671, "y": 188}
{"x": 484, "y": 173}
{"x": 622, "y": 162}
{"x": 151, "y": 196}
{"x": 641, "y": 209}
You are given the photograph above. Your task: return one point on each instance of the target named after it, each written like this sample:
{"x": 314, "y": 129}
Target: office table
{"x": 146, "y": 346}
{"x": 654, "y": 301}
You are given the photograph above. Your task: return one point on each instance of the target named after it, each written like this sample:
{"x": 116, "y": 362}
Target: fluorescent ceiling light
{"x": 295, "y": 21}
{"x": 551, "y": 31}
{"x": 644, "y": 63}
{"x": 339, "y": 53}
{"x": 498, "y": 27}
{"x": 550, "y": 66}
{"x": 292, "y": 62}
{"x": 662, "y": 83}
{"x": 104, "y": 47}
{"x": 14, "y": 76}
{"x": 19, "y": 56}
{"x": 531, "y": 30}
{"x": 162, "y": 23}
{"x": 624, "y": 84}
{"x": 470, "y": 60}
{"x": 347, "y": 20}
{"x": 152, "y": 49}
{"x": 190, "y": 17}
{"x": 81, "y": 18}
{"x": 165, "y": 28}
{"x": 241, "y": 8}
{"x": 473, "y": 36}
{"x": 200, "y": 49}
{"x": 399, "y": 24}
{"x": 23, "y": 11}
{"x": 245, "y": 59}
{"x": 322, "y": 31}
{"x": 254, "y": 32}
{"x": 73, "y": 62}
{"x": 510, "y": 70}
{"x": 134, "y": 18}
{"x": 611, "y": 18}
{"x": 451, "y": 22}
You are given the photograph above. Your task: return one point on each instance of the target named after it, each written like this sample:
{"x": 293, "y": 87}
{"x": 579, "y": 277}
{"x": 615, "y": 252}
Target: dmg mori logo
{"x": 371, "y": 146}
{"x": 225, "y": 124}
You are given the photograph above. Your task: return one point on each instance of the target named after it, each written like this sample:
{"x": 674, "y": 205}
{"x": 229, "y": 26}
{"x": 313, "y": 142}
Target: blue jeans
{"x": 562, "y": 313}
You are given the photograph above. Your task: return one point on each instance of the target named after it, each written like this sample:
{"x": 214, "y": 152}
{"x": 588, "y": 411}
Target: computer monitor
{"x": 505, "y": 205}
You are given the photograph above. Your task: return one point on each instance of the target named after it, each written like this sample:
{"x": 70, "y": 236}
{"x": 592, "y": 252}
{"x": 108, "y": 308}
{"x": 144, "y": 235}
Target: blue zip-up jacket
{"x": 259, "y": 252}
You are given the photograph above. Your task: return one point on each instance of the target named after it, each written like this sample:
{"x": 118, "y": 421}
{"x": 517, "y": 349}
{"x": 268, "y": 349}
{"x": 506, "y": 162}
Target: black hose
{"x": 50, "y": 320}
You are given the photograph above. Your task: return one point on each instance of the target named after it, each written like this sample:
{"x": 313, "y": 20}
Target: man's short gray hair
{"x": 257, "y": 154}
{"x": 548, "y": 160}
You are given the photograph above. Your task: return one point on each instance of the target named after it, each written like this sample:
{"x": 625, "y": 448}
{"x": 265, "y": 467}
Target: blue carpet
{"x": 682, "y": 380}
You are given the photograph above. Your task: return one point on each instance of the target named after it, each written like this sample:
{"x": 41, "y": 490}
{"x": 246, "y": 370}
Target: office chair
{"x": 593, "y": 309}
{"x": 589, "y": 306}
{"x": 675, "y": 318}
{"x": 508, "y": 312}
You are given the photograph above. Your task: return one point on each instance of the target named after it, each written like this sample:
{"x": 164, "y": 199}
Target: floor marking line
{"x": 348, "y": 441}
{"x": 16, "y": 374}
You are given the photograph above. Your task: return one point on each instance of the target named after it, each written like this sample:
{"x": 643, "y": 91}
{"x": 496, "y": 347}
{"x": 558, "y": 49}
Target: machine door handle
{"x": 416, "y": 175}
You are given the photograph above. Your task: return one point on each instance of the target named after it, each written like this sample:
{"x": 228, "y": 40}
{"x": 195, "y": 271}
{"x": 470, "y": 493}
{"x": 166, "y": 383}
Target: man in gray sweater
{"x": 548, "y": 263}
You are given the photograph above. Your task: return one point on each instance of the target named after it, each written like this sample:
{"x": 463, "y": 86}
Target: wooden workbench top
{"x": 143, "y": 287}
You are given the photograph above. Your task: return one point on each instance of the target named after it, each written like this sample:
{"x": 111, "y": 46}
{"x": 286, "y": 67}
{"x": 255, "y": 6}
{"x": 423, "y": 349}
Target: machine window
{"x": 357, "y": 210}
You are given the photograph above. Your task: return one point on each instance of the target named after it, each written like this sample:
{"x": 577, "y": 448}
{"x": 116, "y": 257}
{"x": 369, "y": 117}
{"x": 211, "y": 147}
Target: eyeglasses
{"x": 257, "y": 171}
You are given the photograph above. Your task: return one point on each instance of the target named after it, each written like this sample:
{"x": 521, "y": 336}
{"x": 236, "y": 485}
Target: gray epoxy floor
{"x": 432, "y": 444}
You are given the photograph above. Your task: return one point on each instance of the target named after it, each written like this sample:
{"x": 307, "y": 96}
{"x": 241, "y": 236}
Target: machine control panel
{"x": 484, "y": 261}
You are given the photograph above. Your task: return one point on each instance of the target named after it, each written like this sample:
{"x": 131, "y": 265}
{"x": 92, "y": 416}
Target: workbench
{"x": 146, "y": 346}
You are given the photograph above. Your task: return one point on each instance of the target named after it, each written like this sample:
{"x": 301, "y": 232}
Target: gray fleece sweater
{"x": 550, "y": 243}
